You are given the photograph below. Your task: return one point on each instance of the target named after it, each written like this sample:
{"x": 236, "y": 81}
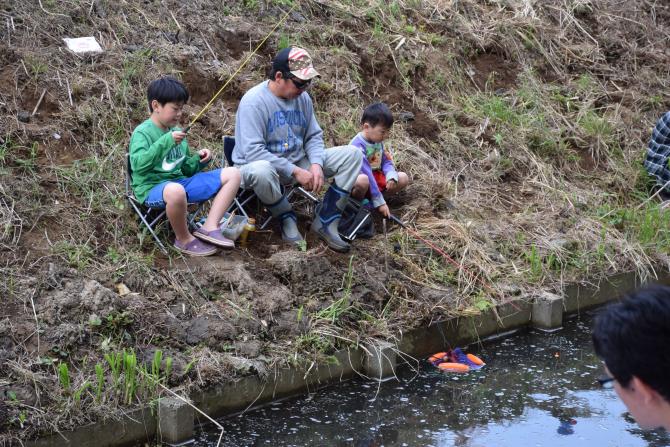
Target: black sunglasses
{"x": 606, "y": 382}
{"x": 301, "y": 85}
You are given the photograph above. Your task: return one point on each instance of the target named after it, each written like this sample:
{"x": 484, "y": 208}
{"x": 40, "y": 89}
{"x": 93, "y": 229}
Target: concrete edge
{"x": 136, "y": 426}
{"x": 253, "y": 391}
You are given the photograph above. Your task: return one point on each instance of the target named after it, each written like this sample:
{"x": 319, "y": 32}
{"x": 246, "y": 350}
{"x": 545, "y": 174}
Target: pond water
{"x": 537, "y": 389}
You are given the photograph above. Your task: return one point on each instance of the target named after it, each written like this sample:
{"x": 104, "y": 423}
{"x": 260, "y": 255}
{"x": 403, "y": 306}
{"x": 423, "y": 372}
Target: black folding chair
{"x": 150, "y": 217}
{"x": 357, "y": 216}
{"x": 245, "y": 196}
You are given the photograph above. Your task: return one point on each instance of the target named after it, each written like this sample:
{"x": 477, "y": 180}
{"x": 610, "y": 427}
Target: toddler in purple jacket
{"x": 378, "y": 174}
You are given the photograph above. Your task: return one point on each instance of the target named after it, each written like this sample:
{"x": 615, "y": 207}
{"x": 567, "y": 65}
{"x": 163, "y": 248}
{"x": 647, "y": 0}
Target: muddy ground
{"x": 522, "y": 124}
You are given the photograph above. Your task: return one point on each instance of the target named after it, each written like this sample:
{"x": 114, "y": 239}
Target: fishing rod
{"x": 428, "y": 243}
{"x": 459, "y": 266}
{"x": 211, "y": 101}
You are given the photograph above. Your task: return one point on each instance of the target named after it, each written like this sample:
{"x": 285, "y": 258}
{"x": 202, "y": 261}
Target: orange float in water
{"x": 474, "y": 359}
{"x": 437, "y": 357}
{"x": 453, "y": 367}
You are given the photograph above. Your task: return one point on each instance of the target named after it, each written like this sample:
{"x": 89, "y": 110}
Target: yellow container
{"x": 248, "y": 228}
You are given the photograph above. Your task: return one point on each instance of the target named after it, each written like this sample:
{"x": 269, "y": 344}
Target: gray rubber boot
{"x": 328, "y": 233}
{"x": 289, "y": 228}
{"x": 327, "y": 219}
{"x": 287, "y": 219}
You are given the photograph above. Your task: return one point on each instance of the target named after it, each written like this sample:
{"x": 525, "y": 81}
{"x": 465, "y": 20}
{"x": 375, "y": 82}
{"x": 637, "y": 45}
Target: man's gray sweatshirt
{"x": 277, "y": 130}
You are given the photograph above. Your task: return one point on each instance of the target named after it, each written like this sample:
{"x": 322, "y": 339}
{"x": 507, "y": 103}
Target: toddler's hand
{"x": 384, "y": 210}
{"x": 205, "y": 155}
{"x": 178, "y": 136}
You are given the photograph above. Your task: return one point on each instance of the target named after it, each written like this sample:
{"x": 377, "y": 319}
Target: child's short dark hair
{"x": 377, "y": 113}
{"x": 166, "y": 89}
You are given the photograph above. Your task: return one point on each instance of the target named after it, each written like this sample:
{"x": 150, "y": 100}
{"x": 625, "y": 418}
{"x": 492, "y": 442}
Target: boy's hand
{"x": 304, "y": 177}
{"x": 178, "y": 136}
{"x": 317, "y": 177}
{"x": 391, "y": 185}
{"x": 384, "y": 210}
{"x": 205, "y": 155}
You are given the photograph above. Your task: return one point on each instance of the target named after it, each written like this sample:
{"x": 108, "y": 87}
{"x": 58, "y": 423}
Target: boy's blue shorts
{"x": 200, "y": 187}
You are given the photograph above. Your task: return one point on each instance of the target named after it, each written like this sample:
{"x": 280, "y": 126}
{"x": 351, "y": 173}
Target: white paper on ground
{"x": 83, "y": 45}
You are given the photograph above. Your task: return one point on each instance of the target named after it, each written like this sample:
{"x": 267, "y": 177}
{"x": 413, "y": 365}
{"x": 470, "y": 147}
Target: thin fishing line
{"x": 459, "y": 266}
{"x": 211, "y": 101}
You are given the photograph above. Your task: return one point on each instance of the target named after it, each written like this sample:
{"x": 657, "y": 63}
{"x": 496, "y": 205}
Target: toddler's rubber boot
{"x": 288, "y": 221}
{"x": 327, "y": 219}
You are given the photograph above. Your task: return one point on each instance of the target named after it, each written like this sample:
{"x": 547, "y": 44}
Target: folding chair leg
{"x": 352, "y": 235}
{"x": 158, "y": 241}
{"x": 191, "y": 217}
{"x": 149, "y": 227}
{"x": 303, "y": 192}
{"x": 307, "y": 194}
{"x": 266, "y": 223}
{"x": 237, "y": 205}
{"x": 156, "y": 219}
{"x": 240, "y": 201}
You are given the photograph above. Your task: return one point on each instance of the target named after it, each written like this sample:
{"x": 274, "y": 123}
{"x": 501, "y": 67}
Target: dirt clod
{"x": 249, "y": 349}
{"x": 77, "y": 300}
{"x": 209, "y": 330}
{"x": 23, "y": 116}
{"x": 305, "y": 273}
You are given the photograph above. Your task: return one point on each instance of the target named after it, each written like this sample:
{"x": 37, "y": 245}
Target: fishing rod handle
{"x": 396, "y": 220}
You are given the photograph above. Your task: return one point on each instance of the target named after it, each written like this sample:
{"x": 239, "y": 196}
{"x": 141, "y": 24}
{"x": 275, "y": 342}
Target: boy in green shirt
{"x": 166, "y": 175}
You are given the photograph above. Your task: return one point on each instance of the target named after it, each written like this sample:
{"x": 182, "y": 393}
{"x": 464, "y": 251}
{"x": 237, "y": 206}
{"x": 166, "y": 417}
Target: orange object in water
{"x": 437, "y": 357}
{"x": 454, "y": 367}
{"x": 474, "y": 359}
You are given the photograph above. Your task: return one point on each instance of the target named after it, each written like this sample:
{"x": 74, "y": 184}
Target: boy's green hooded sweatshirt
{"x": 155, "y": 158}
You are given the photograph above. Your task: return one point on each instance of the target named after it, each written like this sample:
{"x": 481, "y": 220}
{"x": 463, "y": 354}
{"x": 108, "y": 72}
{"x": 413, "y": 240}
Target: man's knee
{"x": 174, "y": 193}
{"x": 345, "y": 159}
{"x": 259, "y": 173}
{"x": 354, "y": 156}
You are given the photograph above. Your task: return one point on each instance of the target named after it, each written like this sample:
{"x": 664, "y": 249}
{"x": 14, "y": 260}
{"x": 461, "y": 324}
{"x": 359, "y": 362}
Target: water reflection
{"x": 536, "y": 390}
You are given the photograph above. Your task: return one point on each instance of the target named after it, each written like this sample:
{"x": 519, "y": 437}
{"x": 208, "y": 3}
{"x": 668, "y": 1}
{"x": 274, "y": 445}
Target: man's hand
{"x": 178, "y": 136}
{"x": 317, "y": 177}
{"x": 304, "y": 177}
{"x": 384, "y": 210}
{"x": 205, "y": 155}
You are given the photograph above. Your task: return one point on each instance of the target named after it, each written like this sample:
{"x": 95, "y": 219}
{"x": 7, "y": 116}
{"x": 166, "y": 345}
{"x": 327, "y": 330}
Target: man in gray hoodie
{"x": 278, "y": 141}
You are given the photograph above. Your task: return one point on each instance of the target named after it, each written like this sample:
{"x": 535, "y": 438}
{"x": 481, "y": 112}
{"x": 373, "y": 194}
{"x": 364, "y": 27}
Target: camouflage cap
{"x": 296, "y": 61}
